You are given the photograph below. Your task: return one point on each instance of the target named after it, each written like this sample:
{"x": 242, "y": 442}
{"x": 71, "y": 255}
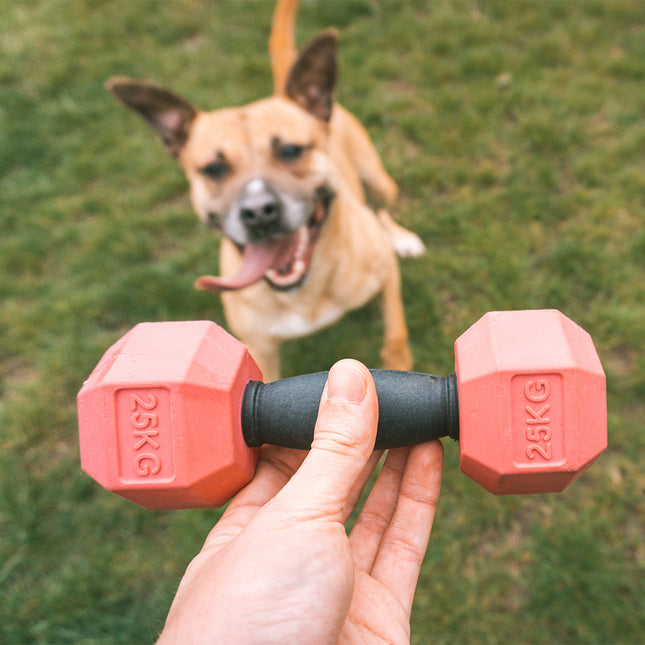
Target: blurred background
{"x": 516, "y": 132}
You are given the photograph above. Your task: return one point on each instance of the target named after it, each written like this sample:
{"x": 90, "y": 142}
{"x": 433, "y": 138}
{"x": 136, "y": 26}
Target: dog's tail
{"x": 282, "y": 42}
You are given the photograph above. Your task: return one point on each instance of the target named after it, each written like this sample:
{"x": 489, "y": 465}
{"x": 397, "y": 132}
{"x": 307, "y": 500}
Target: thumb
{"x": 343, "y": 442}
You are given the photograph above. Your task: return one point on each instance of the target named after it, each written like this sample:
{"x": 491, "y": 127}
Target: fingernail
{"x": 346, "y": 383}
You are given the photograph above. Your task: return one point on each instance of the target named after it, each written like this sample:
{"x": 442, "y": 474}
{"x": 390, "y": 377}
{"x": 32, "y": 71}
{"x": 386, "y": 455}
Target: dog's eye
{"x": 216, "y": 170}
{"x": 290, "y": 152}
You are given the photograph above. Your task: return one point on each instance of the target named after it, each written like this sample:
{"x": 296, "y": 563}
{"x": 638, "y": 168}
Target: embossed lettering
{"x": 538, "y": 417}
{"x": 543, "y": 451}
{"x": 538, "y": 430}
{"x": 538, "y": 433}
{"x": 147, "y": 463}
{"x": 537, "y": 391}
{"x": 144, "y": 434}
{"x": 145, "y": 437}
{"x": 139, "y": 401}
{"x": 144, "y": 419}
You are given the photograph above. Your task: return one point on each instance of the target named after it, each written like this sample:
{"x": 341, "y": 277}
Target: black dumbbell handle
{"x": 413, "y": 408}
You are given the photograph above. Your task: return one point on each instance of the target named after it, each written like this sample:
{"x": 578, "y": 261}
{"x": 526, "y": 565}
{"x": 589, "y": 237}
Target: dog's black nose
{"x": 259, "y": 205}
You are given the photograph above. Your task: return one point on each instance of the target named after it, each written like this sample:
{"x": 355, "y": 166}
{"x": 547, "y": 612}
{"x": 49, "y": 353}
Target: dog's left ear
{"x": 312, "y": 79}
{"x": 168, "y": 113}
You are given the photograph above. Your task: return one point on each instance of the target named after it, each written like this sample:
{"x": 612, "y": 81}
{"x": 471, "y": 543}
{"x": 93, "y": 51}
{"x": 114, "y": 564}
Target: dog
{"x": 283, "y": 179}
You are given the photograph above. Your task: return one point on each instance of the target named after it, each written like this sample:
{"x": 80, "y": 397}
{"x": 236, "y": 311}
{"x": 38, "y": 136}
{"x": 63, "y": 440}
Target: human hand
{"x": 279, "y": 567}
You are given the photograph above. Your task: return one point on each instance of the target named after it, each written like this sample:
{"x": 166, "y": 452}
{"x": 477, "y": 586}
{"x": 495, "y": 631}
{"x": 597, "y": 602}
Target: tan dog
{"x": 282, "y": 178}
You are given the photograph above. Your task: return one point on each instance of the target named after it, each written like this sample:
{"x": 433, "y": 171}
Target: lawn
{"x": 516, "y": 131}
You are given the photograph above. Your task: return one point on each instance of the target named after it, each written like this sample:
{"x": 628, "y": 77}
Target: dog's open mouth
{"x": 283, "y": 262}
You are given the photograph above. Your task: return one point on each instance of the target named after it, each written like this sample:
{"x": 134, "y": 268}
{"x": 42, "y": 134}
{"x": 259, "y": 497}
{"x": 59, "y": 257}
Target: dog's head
{"x": 260, "y": 173}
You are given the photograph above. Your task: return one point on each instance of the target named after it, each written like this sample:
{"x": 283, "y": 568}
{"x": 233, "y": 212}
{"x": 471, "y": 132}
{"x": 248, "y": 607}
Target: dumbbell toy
{"x": 174, "y": 413}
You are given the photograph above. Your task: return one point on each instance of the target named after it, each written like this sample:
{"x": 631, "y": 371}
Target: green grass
{"x": 516, "y": 131}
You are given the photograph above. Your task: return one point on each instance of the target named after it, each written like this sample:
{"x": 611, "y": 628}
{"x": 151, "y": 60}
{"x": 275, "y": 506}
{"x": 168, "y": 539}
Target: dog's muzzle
{"x": 260, "y": 211}
{"x": 282, "y": 259}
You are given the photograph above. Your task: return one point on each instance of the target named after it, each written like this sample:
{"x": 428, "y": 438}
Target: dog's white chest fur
{"x": 293, "y": 325}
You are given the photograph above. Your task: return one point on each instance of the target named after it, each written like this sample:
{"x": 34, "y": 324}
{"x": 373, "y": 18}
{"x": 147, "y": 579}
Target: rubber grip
{"x": 413, "y": 408}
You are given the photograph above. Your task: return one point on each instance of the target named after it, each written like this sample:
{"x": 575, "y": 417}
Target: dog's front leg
{"x": 267, "y": 356}
{"x": 245, "y": 324}
{"x": 266, "y": 353}
{"x": 396, "y": 354}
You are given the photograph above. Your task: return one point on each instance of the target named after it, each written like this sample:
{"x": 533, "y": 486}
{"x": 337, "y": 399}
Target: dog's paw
{"x": 407, "y": 244}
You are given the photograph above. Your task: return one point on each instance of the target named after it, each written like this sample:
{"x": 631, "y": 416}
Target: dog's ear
{"x": 312, "y": 78}
{"x": 169, "y": 114}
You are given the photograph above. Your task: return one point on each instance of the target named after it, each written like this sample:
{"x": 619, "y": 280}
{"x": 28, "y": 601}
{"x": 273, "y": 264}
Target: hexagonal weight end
{"x": 532, "y": 402}
{"x": 159, "y": 417}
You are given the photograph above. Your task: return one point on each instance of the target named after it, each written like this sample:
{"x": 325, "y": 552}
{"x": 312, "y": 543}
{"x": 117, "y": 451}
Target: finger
{"x": 275, "y": 468}
{"x": 359, "y": 484}
{"x": 343, "y": 442}
{"x": 405, "y": 540}
{"x": 365, "y": 538}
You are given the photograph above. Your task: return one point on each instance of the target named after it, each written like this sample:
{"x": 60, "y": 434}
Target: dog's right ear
{"x": 169, "y": 114}
{"x": 312, "y": 79}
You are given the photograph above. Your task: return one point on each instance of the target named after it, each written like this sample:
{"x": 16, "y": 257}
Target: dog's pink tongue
{"x": 256, "y": 260}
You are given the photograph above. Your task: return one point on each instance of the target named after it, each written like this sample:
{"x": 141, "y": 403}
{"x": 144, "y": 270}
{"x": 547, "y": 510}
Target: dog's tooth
{"x": 298, "y": 270}
{"x": 299, "y": 267}
{"x": 303, "y": 241}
